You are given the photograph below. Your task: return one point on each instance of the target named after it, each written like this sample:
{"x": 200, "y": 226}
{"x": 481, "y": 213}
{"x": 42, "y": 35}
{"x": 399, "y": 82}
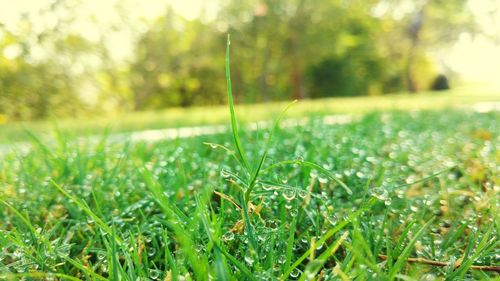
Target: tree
{"x": 424, "y": 26}
{"x": 32, "y": 89}
{"x": 178, "y": 63}
{"x": 288, "y": 48}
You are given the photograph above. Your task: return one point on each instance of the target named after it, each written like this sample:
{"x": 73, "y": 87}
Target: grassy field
{"x": 398, "y": 195}
{"x": 177, "y": 117}
{"x": 417, "y": 185}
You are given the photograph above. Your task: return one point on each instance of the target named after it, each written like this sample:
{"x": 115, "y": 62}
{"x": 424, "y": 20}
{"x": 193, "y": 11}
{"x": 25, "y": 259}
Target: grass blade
{"x": 85, "y": 269}
{"x": 290, "y": 242}
{"x": 266, "y": 149}
{"x": 86, "y": 210}
{"x": 248, "y": 225}
{"x": 314, "y": 166}
{"x": 407, "y": 251}
{"x": 314, "y": 266}
{"x": 341, "y": 225}
{"x": 248, "y": 274}
{"x": 468, "y": 261}
{"x": 234, "y": 122}
{"x": 39, "y": 276}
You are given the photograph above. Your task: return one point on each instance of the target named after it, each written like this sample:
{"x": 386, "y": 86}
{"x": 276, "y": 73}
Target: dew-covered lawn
{"x": 417, "y": 185}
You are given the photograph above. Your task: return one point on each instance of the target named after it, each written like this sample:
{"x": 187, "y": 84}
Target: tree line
{"x": 282, "y": 49}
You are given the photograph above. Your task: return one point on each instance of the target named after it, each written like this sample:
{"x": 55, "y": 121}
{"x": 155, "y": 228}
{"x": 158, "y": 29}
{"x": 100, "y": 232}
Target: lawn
{"x": 409, "y": 195}
{"x": 464, "y": 96}
{"x": 352, "y": 201}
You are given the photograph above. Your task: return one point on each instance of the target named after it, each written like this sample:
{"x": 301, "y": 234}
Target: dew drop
{"x": 295, "y": 273}
{"x": 267, "y": 187}
{"x": 313, "y": 174}
{"x": 380, "y": 193}
{"x": 249, "y": 260}
{"x": 229, "y": 236}
{"x": 154, "y": 274}
{"x": 101, "y": 256}
{"x": 414, "y": 208}
{"x": 289, "y": 194}
{"x": 151, "y": 251}
{"x": 302, "y": 193}
{"x": 224, "y": 174}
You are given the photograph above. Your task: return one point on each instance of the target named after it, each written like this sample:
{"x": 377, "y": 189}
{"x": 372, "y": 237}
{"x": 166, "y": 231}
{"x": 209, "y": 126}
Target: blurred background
{"x": 76, "y": 58}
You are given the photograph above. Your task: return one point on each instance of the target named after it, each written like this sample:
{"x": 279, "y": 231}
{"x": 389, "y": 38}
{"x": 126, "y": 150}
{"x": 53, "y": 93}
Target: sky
{"x": 104, "y": 13}
{"x": 474, "y": 58}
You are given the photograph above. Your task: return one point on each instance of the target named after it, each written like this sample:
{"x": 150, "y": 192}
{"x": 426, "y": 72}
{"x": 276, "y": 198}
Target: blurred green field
{"x": 178, "y": 117}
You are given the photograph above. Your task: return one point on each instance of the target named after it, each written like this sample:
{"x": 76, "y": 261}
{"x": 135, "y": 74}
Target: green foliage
{"x": 177, "y": 63}
{"x": 25, "y": 91}
{"x": 345, "y": 76}
{"x": 26, "y": 95}
{"x": 285, "y": 50}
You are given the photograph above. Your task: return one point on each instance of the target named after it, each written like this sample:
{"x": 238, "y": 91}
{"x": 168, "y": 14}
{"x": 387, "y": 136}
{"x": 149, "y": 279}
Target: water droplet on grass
{"x": 302, "y": 193}
{"x": 151, "y": 251}
{"x": 313, "y": 174}
{"x": 225, "y": 174}
{"x": 229, "y": 236}
{"x": 380, "y": 193}
{"x": 101, "y": 256}
{"x": 267, "y": 187}
{"x": 289, "y": 194}
{"x": 249, "y": 259}
{"x": 154, "y": 274}
{"x": 295, "y": 273}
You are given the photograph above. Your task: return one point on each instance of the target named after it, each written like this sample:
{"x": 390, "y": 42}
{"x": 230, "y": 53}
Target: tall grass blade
{"x": 234, "y": 122}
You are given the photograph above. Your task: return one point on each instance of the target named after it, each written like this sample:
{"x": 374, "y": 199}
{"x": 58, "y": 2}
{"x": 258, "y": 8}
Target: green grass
{"x": 177, "y": 117}
{"x": 96, "y": 211}
{"x": 286, "y": 204}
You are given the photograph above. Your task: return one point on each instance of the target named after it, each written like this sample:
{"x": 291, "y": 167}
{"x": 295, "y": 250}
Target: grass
{"x": 309, "y": 202}
{"x": 96, "y": 211}
{"x": 178, "y": 117}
